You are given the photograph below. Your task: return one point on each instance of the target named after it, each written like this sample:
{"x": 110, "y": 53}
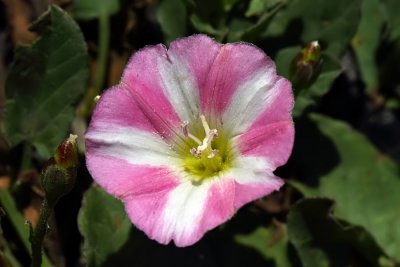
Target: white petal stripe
{"x": 184, "y": 210}
{"x": 133, "y": 145}
{"x": 247, "y": 170}
{"x": 250, "y": 99}
{"x": 179, "y": 86}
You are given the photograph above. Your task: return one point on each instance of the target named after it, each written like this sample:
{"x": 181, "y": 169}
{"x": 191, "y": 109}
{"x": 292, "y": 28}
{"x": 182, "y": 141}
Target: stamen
{"x": 211, "y": 134}
{"x": 194, "y": 138}
{"x": 186, "y": 133}
{"x": 213, "y": 153}
{"x": 205, "y": 124}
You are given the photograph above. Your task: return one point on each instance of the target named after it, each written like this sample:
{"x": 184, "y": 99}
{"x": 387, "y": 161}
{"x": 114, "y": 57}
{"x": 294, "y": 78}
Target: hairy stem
{"x": 38, "y": 234}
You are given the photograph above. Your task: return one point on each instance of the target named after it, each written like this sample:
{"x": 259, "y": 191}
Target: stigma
{"x": 204, "y": 146}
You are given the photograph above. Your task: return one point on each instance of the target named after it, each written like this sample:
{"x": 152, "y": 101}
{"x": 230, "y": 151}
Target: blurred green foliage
{"x": 321, "y": 239}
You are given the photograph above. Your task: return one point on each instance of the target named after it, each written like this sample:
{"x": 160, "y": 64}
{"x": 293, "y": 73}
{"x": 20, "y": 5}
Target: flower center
{"x": 207, "y": 151}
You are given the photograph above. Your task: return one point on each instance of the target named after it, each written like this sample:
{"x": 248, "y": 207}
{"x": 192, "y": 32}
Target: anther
{"x": 186, "y": 133}
{"x": 195, "y": 153}
{"x": 185, "y": 128}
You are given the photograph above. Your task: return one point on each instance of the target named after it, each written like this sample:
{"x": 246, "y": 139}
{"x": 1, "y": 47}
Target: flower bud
{"x": 59, "y": 174}
{"x": 66, "y": 155}
{"x": 306, "y": 66}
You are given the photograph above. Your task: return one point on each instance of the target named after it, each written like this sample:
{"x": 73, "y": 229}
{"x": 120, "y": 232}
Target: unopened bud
{"x": 59, "y": 174}
{"x": 66, "y": 155}
{"x": 306, "y": 66}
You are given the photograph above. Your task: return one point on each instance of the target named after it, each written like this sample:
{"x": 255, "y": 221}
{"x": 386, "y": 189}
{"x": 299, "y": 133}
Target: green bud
{"x": 57, "y": 182}
{"x": 59, "y": 174}
{"x": 306, "y": 66}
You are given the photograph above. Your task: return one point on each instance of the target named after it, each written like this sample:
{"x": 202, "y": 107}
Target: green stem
{"x": 101, "y": 67}
{"x": 38, "y": 234}
{"x": 104, "y": 44}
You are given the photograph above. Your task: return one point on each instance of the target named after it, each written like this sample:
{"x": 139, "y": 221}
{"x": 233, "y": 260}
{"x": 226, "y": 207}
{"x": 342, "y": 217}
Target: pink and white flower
{"x": 190, "y": 135}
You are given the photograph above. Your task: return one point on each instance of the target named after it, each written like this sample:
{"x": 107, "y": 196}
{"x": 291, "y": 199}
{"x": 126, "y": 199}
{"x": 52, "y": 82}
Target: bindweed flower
{"x": 190, "y": 135}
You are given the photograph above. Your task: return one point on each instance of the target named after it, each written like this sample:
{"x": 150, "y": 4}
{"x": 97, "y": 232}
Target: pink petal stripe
{"x": 145, "y": 211}
{"x": 219, "y": 206}
{"x": 233, "y": 66}
{"x": 144, "y": 190}
{"x": 245, "y": 193}
{"x": 122, "y": 179}
{"x": 281, "y": 107}
{"x": 117, "y": 107}
{"x": 142, "y": 78}
{"x": 274, "y": 142}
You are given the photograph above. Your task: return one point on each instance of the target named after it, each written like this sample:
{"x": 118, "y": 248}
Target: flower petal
{"x": 116, "y": 107}
{"x": 184, "y": 71}
{"x": 130, "y": 144}
{"x": 237, "y": 67}
{"x": 279, "y": 106}
{"x": 122, "y": 179}
{"x": 183, "y": 214}
{"x": 143, "y": 80}
{"x": 258, "y": 102}
{"x": 245, "y": 193}
{"x": 219, "y": 206}
{"x": 274, "y": 142}
{"x": 253, "y": 179}
{"x": 143, "y": 189}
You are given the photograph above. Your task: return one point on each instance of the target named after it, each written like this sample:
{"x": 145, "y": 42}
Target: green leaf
{"x": 210, "y": 16}
{"x": 366, "y": 42}
{"x": 18, "y": 222}
{"x": 333, "y": 23}
{"x": 236, "y": 29}
{"x": 284, "y": 60}
{"x": 257, "y": 7}
{"x": 228, "y": 4}
{"x": 269, "y": 242}
{"x": 322, "y": 240}
{"x": 92, "y": 9}
{"x": 392, "y": 11}
{"x": 205, "y": 27}
{"x": 172, "y": 17}
{"x": 343, "y": 165}
{"x": 45, "y": 80}
{"x": 252, "y": 34}
{"x": 104, "y": 225}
